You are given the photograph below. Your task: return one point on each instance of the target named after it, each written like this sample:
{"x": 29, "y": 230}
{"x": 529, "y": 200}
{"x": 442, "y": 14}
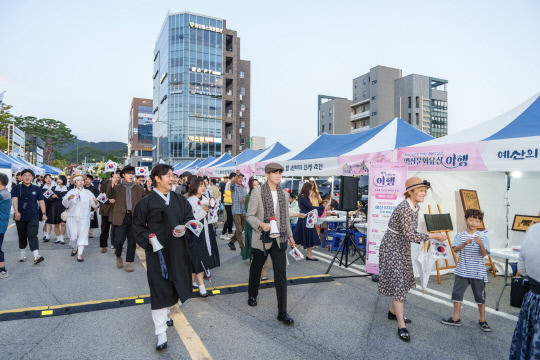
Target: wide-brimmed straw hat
{"x": 415, "y": 182}
{"x": 74, "y": 175}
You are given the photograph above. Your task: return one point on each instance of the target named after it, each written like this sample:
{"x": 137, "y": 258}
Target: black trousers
{"x": 1, "y": 252}
{"x": 104, "y": 236}
{"x": 27, "y": 231}
{"x": 120, "y": 234}
{"x": 279, "y": 263}
{"x": 227, "y": 227}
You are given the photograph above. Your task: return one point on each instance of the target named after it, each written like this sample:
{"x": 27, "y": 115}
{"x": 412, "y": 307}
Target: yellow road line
{"x": 191, "y": 340}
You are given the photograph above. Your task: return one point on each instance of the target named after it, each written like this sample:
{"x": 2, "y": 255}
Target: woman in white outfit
{"x": 78, "y": 202}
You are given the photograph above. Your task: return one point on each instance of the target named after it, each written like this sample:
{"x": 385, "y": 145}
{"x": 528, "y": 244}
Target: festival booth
{"x": 186, "y": 165}
{"x": 266, "y": 156}
{"x": 233, "y": 164}
{"x": 15, "y": 165}
{"x": 179, "y": 165}
{"x": 27, "y": 165}
{"x": 497, "y": 160}
{"x": 346, "y": 154}
{"x": 196, "y": 167}
{"x": 208, "y": 169}
{"x": 51, "y": 170}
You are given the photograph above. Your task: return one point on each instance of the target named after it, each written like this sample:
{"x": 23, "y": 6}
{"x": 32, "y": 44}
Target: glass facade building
{"x": 140, "y": 132}
{"x": 188, "y": 88}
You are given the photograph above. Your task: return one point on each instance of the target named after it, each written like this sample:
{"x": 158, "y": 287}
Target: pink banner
{"x": 386, "y": 188}
{"x": 452, "y": 157}
{"x": 358, "y": 164}
{"x": 259, "y": 167}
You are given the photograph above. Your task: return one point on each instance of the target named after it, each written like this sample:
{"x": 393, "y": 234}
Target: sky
{"x": 82, "y": 62}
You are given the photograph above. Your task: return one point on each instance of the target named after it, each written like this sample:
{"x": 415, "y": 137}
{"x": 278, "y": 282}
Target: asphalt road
{"x": 343, "y": 319}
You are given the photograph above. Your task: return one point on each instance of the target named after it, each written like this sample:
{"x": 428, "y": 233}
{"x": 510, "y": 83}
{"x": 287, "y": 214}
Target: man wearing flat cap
{"x": 266, "y": 204}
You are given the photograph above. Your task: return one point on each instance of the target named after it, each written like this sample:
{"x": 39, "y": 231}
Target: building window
{"x": 365, "y": 81}
{"x": 330, "y": 112}
{"x": 417, "y": 102}
{"x": 355, "y": 85}
{"x": 417, "y": 119}
{"x": 243, "y": 91}
{"x": 409, "y": 117}
{"x": 243, "y": 107}
{"x": 330, "y": 127}
{"x": 322, "y": 128}
{"x": 243, "y": 124}
{"x": 410, "y": 102}
{"x": 374, "y": 98}
{"x": 241, "y": 141}
{"x": 355, "y": 98}
{"x": 241, "y": 74}
{"x": 374, "y": 113}
{"x": 373, "y": 82}
{"x": 364, "y": 93}
{"x": 323, "y": 114}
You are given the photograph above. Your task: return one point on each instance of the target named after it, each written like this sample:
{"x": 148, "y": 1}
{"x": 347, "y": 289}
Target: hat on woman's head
{"x": 415, "y": 182}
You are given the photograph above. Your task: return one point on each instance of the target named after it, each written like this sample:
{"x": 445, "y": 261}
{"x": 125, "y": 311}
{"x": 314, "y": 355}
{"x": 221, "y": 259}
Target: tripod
{"x": 345, "y": 247}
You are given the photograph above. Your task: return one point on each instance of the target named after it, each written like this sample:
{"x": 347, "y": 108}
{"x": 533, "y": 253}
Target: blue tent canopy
{"x": 179, "y": 165}
{"x": 14, "y": 164}
{"x": 202, "y": 163}
{"x": 224, "y": 158}
{"x": 50, "y": 170}
{"x": 524, "y": 125}
{"x": 335, "y": 145}
{"x": 241, "y": 158}
{"x": 278, "y": 150}
{"x": 408, "y": 135}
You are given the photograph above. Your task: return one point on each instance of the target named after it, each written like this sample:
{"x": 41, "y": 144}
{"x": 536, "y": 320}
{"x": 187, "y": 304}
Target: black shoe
{"x": 170, "y": 323}
{"x": 45, "y": 239}
{"x": 74, "y": 253}
{"x": 393, "y": 317}
{"x": 161, "y": 347}
{"x": 451, "y": 322}
{"x": 403, "y": 334}
{"x": 231, "y": 246}
{"x": 203, "y": 295}
{"x": 311, "y": 259}
{"x": 38, "y": 260}
{"x": 285, "y": 318}
{"x": 80, "y": 260}
{"x": 252, "y": 301}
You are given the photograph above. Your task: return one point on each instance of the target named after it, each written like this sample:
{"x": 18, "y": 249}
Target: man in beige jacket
{"x": 268, "y": 203}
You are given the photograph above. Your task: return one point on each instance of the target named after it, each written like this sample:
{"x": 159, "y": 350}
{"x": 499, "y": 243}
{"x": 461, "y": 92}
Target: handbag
{"x": 519, "y": 286}
{"x": 64, "y": 215}
{"x": 227, "y": 197}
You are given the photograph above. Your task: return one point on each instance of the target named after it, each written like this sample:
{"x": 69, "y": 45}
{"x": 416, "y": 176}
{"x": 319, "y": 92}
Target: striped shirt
{"x": 471, "y": 262}
{"x": 238, "y": 193}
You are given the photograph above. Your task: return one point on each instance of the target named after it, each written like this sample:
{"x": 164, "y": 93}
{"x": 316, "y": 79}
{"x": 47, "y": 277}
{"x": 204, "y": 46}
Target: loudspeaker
{"x": 348, "y": 193}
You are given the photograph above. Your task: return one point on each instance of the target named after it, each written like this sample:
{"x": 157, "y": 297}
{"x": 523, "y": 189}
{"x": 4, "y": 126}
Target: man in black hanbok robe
{"x": 159, "y": 213}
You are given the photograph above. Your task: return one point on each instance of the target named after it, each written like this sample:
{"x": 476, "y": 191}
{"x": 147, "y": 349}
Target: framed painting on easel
{"x": 469, "y": 199}
{"x": 523, "y": 222}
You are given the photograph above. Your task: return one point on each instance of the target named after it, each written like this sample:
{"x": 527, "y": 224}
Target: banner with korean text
{"x": 358, "y": 164}
{"x": 452, "y": 157}
{"x": 386, "y": 189}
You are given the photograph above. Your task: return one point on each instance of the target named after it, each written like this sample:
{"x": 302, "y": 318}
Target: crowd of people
{"x": 153, "y": 212}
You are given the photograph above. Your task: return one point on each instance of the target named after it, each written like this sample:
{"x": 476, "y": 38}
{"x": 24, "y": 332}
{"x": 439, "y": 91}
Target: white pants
{"x": 160, "y": 318}
{"x": 77, "y": 229}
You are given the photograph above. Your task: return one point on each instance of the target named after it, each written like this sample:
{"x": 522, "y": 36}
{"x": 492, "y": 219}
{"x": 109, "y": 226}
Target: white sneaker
{"x": 4, "y": 274}
{"x": 224, "y": 237}
{"x": 22, "y": 258}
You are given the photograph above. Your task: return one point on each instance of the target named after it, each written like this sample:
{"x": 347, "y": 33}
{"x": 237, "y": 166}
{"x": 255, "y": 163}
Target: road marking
{"x": 191, "y": 340}
{"x": 356, "y": 270}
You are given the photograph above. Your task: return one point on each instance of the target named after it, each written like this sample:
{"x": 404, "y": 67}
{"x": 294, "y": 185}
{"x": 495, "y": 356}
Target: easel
{"x": 447, "y": 265}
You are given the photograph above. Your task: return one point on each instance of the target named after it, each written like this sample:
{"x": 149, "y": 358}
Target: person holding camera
{"x": 27, "y": 200}
{"x": 266, "y": 203}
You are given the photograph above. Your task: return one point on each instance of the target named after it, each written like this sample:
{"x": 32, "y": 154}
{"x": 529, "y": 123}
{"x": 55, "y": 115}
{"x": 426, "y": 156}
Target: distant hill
{"x": 104, "y": 146}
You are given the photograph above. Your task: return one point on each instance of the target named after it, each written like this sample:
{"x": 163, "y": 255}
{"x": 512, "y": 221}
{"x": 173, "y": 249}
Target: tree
{"x": 59, "y": 163}
{"x": 5, "y": 116}
{"x": 3, "y": 143}
{"x": 53, "y": 132}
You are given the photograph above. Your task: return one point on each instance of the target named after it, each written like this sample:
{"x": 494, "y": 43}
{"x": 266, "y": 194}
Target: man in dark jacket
{"x": 125, "y": 197}
{"x": 104, "y": 211}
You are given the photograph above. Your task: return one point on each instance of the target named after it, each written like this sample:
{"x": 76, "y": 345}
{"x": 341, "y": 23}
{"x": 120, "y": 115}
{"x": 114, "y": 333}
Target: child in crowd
{"x": 471, "y": 269}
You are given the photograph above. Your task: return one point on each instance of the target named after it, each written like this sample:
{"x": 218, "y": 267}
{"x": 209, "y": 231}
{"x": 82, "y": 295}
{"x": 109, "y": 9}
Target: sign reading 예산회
{"x": 386, "y": 188}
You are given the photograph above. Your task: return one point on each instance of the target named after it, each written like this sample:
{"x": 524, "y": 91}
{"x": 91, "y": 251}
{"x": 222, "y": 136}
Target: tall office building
{"x": 334, "y": 115}
{"x": 383, "y": 94}
{"x": 140, "y": 133}
{"x": 201, "y": 90}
